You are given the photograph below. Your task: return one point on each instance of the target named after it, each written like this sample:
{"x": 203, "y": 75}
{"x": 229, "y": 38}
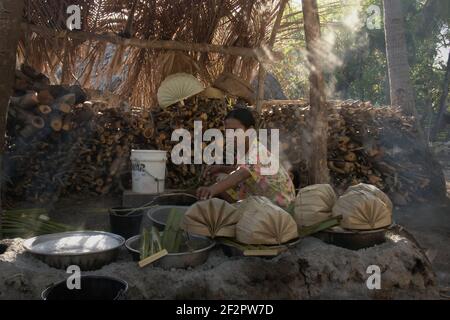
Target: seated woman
{"x": 239, "y": 181}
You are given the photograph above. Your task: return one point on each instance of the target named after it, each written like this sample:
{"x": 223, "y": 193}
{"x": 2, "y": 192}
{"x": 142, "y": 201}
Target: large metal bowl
{"x": 353, "y": 240}
{"x": 89, "y": 250}
{"x": 159, "y": 215}
{"x": 182, "y": 260}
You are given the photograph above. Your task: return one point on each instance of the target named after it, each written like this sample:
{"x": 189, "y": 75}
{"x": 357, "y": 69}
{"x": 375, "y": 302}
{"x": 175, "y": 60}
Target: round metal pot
{"x": 85, "y": 249}
{"x": 182, "y": 260}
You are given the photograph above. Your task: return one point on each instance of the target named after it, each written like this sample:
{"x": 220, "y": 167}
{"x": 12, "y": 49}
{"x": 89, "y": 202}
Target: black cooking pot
{"x": 125, "y": 224}
{"x": 92, "y": 288}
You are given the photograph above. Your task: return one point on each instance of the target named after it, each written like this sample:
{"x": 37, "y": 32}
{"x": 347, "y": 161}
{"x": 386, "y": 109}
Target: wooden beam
{"x": 260, "y": 54}
{"x": 283, "y": 102}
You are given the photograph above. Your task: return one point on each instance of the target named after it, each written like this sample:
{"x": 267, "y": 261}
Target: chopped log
{"x": 44, "y": 109}
{"x": 31, "y": 119}
{"x": 67, "y": 123}
{"x": 44, "y": 97}
{"x": 27, "y": 101}
{"x": 56, "y": 122}
{"x": 62, "y": 107}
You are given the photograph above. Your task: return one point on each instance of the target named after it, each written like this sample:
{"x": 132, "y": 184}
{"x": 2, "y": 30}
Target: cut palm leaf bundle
{"x": 25, "y": 223}
{"x": 304, "y": 232}
{"x": 173, "y": 235}
{"x": 150, "y": 243}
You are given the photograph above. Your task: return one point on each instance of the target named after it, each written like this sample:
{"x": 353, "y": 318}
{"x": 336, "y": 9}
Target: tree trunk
{"x": 11, "y": 12}
{"x": 318, "y": 124}
{"x": 442, "y": 102}
{"x": 401, "y": 90}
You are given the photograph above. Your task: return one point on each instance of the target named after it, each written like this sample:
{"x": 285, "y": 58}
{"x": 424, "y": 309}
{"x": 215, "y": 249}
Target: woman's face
{"x": 234, "y": 124}
{"x": 240, "y": 136}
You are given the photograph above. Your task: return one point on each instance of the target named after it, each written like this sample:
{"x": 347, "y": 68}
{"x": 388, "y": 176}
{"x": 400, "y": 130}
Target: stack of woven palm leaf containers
{"x": 365, "y": 213}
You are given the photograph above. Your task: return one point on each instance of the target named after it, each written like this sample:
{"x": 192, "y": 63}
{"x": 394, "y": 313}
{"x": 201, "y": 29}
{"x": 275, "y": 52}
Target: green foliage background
{"x": 356, "y": 66}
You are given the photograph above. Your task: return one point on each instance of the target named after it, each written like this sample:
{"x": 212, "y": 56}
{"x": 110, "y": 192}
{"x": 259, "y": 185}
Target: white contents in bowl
{"x": 76, "y": 244}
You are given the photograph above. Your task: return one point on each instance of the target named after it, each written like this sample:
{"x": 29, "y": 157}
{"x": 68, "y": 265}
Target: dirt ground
{"x": 428, "y": 223}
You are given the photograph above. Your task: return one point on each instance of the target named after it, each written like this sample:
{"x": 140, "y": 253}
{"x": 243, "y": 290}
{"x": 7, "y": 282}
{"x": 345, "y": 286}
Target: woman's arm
{"x": 234, "y": 179}
{"x": 212, "y": 170}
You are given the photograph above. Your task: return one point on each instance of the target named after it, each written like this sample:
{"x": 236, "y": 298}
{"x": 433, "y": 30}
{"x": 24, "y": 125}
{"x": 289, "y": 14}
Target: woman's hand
{"x": 205, "y": 193}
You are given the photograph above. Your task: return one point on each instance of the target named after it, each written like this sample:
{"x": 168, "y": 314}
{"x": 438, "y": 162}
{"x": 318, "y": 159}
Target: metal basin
{"x": 183, "y": 260}
{"x": 89, "y": 250}
{"x": 159, "y": 215}
{"x": 353, "y": 240}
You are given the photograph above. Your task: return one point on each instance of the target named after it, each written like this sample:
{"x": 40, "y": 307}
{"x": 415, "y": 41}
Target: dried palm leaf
{"x": 262, "y": 222}
{"x": 314, "y": 204}
{"x": 211, "y": 218}
{"x": 362, "y": 210}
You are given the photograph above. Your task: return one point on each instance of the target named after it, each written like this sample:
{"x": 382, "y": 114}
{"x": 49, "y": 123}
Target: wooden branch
{"x": 283, "y": 102}
{"x": 260, "y": 54}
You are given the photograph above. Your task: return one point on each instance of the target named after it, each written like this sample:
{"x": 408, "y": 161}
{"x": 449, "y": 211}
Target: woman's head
{"x": 240, "y": 118}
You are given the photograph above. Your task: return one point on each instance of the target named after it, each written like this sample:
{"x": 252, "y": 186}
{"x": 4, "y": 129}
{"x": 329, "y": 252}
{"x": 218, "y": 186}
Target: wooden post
{"x": 262, "y": 71}
{"x": 317, "y": 122}
{"x": 11, "y": 12}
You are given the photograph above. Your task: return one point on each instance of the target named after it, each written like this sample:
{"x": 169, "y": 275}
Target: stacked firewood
{"x": 59, "y": 143}
{"x": 211, "y": 112}
{"x": 367, "y": 144}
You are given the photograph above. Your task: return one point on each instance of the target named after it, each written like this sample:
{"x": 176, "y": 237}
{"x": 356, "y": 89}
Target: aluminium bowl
{"x": 182, "y": 260}
{"x": 89, "y": 250}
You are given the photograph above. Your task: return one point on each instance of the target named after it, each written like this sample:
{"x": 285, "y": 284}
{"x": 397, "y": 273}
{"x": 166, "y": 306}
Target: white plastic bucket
{"x": 149, "y": 171}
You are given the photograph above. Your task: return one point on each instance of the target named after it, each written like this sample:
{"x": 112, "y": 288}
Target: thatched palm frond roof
{"x": 231, "y": 23}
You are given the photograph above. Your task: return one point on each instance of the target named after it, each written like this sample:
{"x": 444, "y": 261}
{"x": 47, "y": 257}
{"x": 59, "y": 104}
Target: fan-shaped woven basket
{"x": 361, "y": 210}
{"x": 264, "y": 223}
{"x": 314, "y": 204}
{"x": 178, "y": 87}
{"x": 211, "y": 218}
{"x": 375, "y": 191}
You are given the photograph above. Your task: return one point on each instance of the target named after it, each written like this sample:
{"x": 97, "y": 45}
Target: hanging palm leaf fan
{"x": 177, "y": 88}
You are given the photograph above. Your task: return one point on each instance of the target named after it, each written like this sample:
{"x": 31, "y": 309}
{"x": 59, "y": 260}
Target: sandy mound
{"x": 311, "y": 270}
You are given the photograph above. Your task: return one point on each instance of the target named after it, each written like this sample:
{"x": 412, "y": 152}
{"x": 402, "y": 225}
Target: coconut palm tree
{"x": 318, "y": 122}
{"x": 401, "y": 90}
